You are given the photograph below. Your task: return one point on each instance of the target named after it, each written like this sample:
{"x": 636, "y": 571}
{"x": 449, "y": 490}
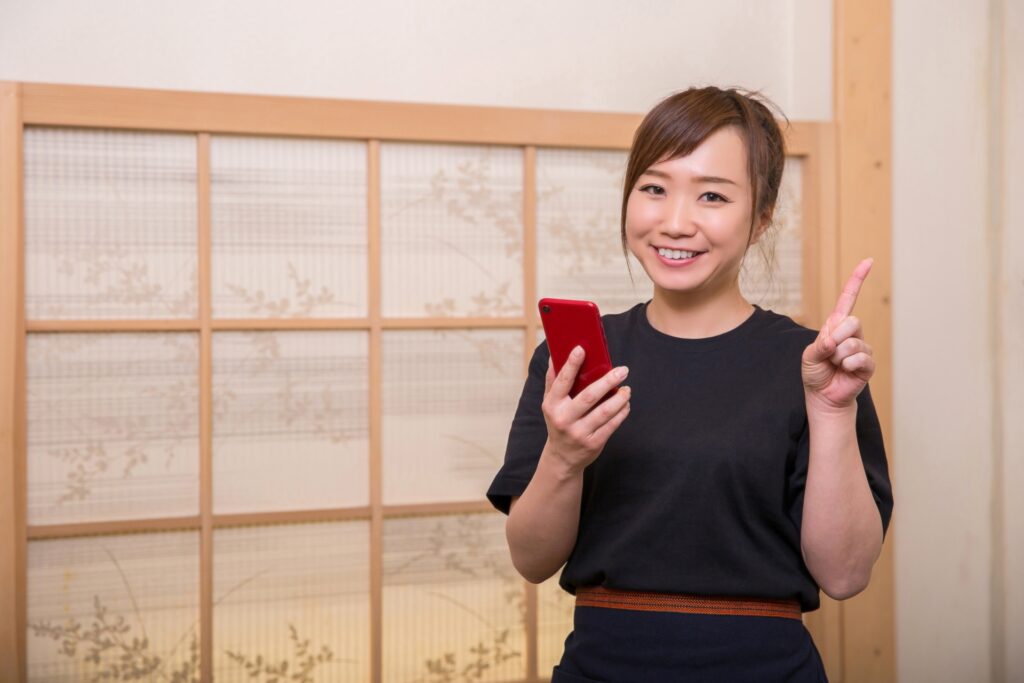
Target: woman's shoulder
{"x": 782, "y": 331}
{"x": 623, "y": 321}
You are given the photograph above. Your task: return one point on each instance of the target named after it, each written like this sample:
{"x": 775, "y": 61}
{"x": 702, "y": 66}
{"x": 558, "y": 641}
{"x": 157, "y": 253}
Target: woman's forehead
{"x": 723, "y": 155}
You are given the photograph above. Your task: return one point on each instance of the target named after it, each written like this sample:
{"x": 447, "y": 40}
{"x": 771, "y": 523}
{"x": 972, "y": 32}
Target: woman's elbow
{"x": 532, "y": 575}
{"x": 534, "y": 568}
{"x": 845, "y": 586}
{"x": 530, "y": 566}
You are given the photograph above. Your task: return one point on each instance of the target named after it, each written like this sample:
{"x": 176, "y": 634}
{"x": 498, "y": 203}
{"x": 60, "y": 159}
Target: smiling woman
{"x": 705, "y": 505}
{"x": 690, "y": 225}
{"x": 703, "y": 178}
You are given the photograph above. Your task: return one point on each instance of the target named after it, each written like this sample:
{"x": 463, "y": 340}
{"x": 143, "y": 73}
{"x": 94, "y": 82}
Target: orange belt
{"x": 598, "y": 596}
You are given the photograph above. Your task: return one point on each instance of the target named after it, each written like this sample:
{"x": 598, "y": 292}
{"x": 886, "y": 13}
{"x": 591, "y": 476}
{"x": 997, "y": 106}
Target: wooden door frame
{"x": 13, "y": 542}
{"x": 862, "y": 90}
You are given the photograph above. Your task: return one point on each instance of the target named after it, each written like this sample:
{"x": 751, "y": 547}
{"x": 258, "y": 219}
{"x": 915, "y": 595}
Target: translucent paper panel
{"x": 448, "y": 398}
{"x": 452, "y": 230}
{"x": 114, "y": 608}
{"x": 780, "y": 286}
{"x": 289, "y": 227}
{"x": 292, "y": 598}
{"x": 554, "y": 623}
{"x": 579, "y": 250}
{"x": 453, "y": 604}
{"x": 110, "y": 224}
{"x": 112, "y": 426}
{"x": 290, "y": 420}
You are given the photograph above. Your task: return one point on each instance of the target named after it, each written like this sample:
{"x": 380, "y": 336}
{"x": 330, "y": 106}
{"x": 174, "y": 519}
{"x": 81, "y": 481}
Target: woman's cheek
{"x": 640, "y": 217}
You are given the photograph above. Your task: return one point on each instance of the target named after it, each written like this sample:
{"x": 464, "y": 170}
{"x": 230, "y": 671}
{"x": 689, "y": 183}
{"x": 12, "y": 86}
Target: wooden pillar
{"x": 821, "y": 252}
{"x": 863, "y": 113}
{"x": 12, "y": 398}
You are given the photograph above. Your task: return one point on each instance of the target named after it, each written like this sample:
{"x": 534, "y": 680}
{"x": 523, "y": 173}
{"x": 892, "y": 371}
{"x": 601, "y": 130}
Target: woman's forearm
{"x": 542, "y": 524}
{"x": 841, "y": 532}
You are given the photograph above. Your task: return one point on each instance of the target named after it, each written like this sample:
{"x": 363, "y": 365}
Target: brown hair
{"x": 681, "y": 122}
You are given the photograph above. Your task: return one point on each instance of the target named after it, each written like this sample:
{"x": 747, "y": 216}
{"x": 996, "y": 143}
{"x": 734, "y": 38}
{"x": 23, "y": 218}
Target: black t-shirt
{"x": 701, "y": 489}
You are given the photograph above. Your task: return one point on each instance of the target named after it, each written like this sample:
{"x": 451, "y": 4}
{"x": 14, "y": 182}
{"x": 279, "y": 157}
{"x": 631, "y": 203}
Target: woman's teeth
{"x": 677, "y": 254}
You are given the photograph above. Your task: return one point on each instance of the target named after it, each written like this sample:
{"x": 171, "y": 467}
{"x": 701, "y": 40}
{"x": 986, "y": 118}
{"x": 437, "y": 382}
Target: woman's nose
{"x": 679, "y": 220}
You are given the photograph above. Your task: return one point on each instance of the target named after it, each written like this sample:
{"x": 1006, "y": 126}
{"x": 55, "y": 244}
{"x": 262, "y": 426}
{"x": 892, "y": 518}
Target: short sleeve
{"x": 872, "y": 453}
{"x": 526, "y": 438}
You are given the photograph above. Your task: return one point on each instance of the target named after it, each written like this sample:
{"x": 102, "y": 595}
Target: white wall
{"x": 958, "y": 307}
{"x": 602, "y": 55}
{"x": 1011, "y": 362}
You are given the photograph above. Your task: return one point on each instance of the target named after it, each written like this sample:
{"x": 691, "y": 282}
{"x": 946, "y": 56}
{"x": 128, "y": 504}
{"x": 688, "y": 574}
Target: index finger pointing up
{"x": 844, "y": 306}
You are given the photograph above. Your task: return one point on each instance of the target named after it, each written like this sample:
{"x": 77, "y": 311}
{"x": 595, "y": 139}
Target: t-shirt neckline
{"x": 718, "y": 341}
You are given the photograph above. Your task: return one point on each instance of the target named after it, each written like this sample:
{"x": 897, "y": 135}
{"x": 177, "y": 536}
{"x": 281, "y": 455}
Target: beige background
{"x": 958, "y": 339}
{"x": 958, "y": 226}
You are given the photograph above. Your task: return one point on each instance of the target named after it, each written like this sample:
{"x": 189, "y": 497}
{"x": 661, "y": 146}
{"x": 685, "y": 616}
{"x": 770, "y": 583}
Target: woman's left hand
{"x": 838, "y": 364}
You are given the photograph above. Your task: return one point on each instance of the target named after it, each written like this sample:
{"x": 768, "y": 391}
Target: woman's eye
{"x": 656, "y": 190}
{"x": 713, "y": 197}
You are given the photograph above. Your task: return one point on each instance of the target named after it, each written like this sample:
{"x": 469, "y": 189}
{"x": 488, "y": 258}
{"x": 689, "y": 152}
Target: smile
{"x": 678, "y": 254}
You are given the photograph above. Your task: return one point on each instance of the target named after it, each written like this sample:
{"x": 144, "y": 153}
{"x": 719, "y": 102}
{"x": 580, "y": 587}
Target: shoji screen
{"x": 113, "y": 415}
{"x": 268, "y": 380}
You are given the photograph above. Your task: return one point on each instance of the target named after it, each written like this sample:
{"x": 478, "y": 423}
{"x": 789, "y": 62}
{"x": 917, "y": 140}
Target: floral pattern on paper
{"x": 289, "y": 227}
{"x": 108, "y": 407}
{"x": 579, "y": 198}
{"x": 453, "y": 235}
{"x": 110, "y": 224}
{"x": 304, "y": 300}
{"x": 463, "y": 548}
{"x": 103, "y": 642}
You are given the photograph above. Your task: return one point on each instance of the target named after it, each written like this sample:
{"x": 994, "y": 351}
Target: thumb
{"x": 822, "y": 348}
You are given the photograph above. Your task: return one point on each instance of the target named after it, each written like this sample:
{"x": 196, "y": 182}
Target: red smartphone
{"x": 569, "y": 323}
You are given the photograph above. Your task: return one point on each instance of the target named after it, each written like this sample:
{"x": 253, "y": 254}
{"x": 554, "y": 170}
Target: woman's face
{"x": 688, "y": 219}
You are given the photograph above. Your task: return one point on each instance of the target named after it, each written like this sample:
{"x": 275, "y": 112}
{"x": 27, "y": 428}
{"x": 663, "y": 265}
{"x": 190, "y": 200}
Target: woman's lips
{"x": 677, "y": 263}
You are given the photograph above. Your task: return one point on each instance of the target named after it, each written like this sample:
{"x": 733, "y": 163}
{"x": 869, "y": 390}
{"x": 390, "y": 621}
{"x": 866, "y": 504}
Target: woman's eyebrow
{"x": 657, "y": 173}
{"x": 713, "y": 179}
{"x": 698, "y": 180}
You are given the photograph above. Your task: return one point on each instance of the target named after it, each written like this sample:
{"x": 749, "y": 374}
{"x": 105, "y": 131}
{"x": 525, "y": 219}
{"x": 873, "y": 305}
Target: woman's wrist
{"x": 558, "y": 467}
{"x": 820, "y": 409}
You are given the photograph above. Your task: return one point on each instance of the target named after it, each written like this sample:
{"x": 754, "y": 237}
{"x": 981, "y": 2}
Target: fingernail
{"x": 577, "y": 351}
{"x": 621, "y": 372}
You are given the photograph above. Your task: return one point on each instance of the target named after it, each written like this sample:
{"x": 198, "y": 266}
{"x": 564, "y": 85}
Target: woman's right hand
{"x": 577, "y": 434}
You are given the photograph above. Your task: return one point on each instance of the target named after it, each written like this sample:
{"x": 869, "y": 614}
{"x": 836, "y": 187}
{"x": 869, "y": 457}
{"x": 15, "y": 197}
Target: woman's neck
{"x": 689, "y": 315}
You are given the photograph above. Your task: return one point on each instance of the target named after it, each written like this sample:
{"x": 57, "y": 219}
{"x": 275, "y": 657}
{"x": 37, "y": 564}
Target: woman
{"x": 699, "y": 510}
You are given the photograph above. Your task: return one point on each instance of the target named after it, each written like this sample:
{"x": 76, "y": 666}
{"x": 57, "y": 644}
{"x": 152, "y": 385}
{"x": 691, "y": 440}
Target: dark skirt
{"x": 631, "y": 646}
